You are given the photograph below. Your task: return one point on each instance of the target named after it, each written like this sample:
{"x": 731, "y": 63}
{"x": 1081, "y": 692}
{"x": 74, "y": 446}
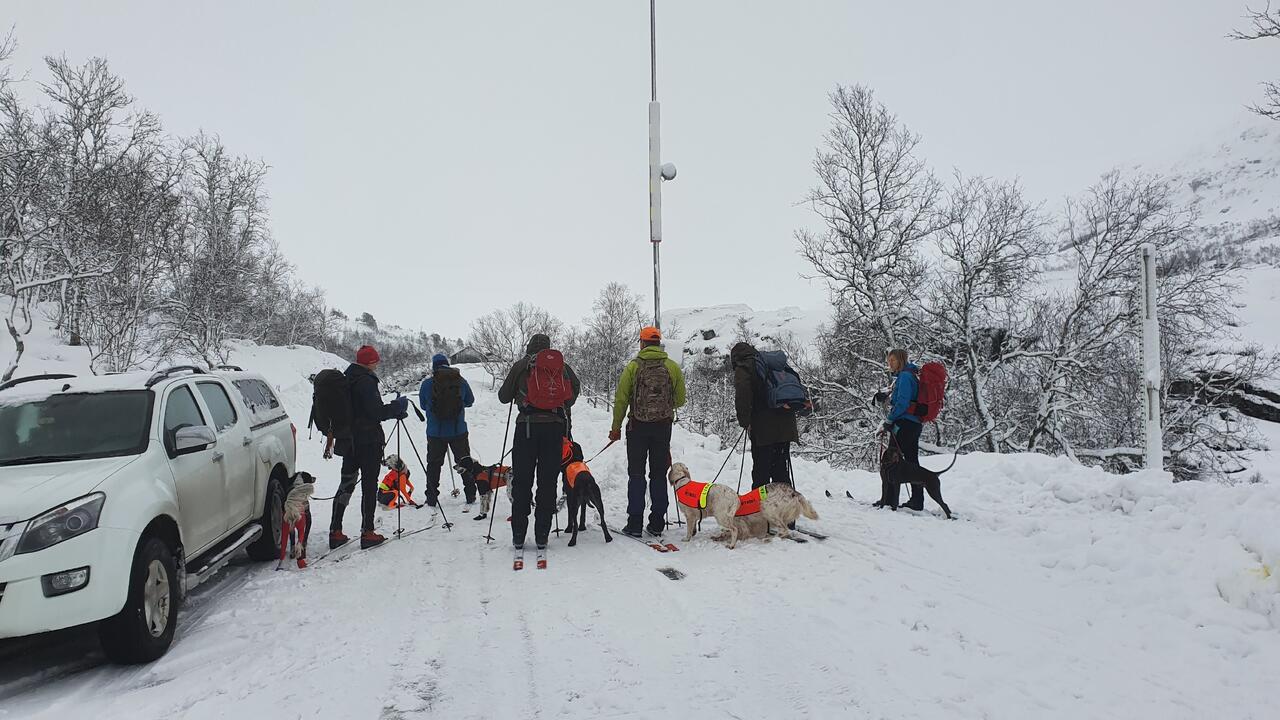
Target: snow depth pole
{"x": 658, "y": 172}
{"x": 1151, "y": 380}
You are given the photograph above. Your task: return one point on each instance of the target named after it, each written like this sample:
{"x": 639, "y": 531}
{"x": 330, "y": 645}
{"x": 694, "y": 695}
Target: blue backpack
{"x": 782, "y": 385}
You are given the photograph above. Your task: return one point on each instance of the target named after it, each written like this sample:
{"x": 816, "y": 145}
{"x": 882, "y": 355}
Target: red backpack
{"x": 931, "y": 383}
{"x": 547, "y": 386}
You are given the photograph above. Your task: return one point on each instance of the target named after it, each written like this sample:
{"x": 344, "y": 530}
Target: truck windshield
{"x": 75, "y": 426}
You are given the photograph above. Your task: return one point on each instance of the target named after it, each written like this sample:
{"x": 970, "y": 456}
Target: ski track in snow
{"x": 1059, "y": 593}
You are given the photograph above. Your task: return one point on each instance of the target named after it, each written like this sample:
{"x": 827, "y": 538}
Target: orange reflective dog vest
{"x": 573, "y": 470}
{"x": 749, "y": 504}
{"x": 693, "y": 494}
{"x": 401, "y": 492}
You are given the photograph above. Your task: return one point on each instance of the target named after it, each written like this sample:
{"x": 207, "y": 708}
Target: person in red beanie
{"x": 362, "y": 458}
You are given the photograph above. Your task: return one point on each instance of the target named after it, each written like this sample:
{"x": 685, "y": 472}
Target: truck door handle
{"x": 247, "y": 441}
{"x": 217, "y": 457}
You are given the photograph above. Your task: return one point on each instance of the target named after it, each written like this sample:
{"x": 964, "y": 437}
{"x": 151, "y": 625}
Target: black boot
{"x": 633, "y": 527}
{"x": 916, "y": 501}
{"x": 656, "y": 527}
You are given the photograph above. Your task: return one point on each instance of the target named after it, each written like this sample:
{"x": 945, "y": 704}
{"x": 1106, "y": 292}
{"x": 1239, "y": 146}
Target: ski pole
{"x": 439, "y": 505}
{"x": 743, "y": 465}
{"x": 493, "y": 502}
{"x": 399, "y": 480}
{"x": 448, "y": 452}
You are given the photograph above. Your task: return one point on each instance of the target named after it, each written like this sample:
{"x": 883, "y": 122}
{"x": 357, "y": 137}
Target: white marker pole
{"x": 1150, "y": 359}
{"x": 655, "y": 168}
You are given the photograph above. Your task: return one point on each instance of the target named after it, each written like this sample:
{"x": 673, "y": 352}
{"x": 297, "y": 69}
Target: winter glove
{"x": 401, "y": 404}
{"x": 615, "y": 435}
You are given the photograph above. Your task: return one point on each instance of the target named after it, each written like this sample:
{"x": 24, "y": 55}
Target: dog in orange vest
{"x": 697, "y": 500}
{"x": 581, "y": 490}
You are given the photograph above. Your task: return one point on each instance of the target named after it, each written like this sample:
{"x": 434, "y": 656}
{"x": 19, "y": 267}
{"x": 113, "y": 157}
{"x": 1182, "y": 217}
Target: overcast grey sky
{"x": 430, "y": 158}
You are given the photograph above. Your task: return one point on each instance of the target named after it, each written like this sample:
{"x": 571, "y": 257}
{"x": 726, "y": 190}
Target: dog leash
{"x": 606, "y": 447}
{"x": 729, "y": 457}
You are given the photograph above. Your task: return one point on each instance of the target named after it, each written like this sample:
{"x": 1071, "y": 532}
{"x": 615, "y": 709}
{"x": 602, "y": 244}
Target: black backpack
{"x": 782, "y": 385}
{"x": 331, "y": 403}
{"x": 446, "y": 393}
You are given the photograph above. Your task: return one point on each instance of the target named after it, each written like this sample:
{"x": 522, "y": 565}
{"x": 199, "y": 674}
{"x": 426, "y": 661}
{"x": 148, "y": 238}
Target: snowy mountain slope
{"x": 1061, "y": 592}
{"x": 713, "y": 330}
{"x": 1233, "y": 184}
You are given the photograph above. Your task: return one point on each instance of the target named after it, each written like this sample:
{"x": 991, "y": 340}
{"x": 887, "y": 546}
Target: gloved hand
{"x": 401, "y": 404}
{"x": 615, "y": 435}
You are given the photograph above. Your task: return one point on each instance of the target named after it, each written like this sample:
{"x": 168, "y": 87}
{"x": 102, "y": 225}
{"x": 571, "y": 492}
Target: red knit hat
{"x": 366, "y": 355}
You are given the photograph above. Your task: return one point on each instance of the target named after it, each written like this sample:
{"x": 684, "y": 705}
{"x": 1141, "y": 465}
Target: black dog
{"x": 581, "y": 490}
{"x": 895, "y": 472}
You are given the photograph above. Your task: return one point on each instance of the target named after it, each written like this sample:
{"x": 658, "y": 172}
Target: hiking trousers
{"x": 535, "y": 454}
{"x": 363, "y": 463}
{"x": 770, "y": 463}
{"x": 651, "y": 442}
{"x": 460, "y": 447}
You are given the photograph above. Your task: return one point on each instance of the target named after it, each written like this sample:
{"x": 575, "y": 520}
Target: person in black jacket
{"x": 363, "y": 457}
{"x": 536, "y": 447}
{"x": 771, "y": 430}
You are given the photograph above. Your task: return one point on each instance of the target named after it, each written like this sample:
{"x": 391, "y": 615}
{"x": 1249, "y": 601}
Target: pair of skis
{"x": 518, "y": 562}
{"x": 660, "y": 547}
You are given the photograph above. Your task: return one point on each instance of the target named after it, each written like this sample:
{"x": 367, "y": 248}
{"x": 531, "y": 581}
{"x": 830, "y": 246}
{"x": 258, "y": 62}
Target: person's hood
{"x": 912, "y": 368}
{"x": 742, "y": 352}
{"x": 537, "y": 344}
{"x": 653, "y": 352}
{"x": 29, "y": 490}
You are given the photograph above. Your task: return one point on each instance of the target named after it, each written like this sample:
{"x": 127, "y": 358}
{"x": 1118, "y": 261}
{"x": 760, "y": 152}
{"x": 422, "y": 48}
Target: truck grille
{"x": 2, "y": 586}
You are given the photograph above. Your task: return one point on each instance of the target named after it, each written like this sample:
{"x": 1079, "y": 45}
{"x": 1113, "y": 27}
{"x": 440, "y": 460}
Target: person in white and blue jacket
{"x": 903, "y": 427}
{"x": 445, "y": 396}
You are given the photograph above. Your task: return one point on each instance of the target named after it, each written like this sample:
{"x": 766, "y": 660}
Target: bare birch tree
{"x": 1264, "y": 24}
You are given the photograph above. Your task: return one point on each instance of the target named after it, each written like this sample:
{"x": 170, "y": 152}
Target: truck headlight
{"x": 61, "y": 523}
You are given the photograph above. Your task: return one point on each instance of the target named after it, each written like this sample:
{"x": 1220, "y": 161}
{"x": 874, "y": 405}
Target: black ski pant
{"x": 535, "y": 453}
{"x": 362, "y": 462}
{"x": 908, "y": 442}
{"x": 770, "y": 463}
{"x": 648, "y": 442}
{"x": 461, "y": 448}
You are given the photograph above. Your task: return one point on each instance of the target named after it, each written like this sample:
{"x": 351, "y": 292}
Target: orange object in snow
{"x": 396, "y": 485}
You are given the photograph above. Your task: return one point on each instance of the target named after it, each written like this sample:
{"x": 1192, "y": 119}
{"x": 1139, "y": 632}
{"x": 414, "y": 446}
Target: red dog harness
{"x": 693, "y": 494}
{"x": 749, "y": 504}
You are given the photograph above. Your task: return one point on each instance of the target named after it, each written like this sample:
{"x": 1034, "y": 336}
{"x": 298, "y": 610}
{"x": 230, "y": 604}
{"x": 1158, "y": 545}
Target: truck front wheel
{"x": 143, "y": 630}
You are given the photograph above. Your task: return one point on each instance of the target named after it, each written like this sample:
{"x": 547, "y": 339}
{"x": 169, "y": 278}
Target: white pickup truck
{"x": 121, "y": 493}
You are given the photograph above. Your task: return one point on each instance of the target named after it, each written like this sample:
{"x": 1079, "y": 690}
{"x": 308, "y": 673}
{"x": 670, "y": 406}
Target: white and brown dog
{"x": 297, "y": 514}
{"x": 781, "y": 505}
{"x": 697, "y": 500}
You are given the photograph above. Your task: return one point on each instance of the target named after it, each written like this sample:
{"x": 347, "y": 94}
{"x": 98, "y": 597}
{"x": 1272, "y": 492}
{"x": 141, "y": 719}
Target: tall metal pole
{"x": 655, "y": 169}
{"x": 1151, "y": 379}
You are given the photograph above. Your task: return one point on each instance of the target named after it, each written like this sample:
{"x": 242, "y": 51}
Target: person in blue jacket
{"x": 902, "y": 425}
{"x": 445, "y": 396}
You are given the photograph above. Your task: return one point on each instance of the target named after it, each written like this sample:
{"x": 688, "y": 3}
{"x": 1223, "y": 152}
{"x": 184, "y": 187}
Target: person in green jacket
{"x": 652, "y": 387}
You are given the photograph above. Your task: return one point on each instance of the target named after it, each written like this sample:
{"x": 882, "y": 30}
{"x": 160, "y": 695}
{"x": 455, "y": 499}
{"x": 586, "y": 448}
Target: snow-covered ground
{"x": 1060, "y": 592}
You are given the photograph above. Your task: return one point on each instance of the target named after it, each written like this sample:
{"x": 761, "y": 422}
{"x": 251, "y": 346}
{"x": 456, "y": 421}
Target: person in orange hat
{"x": 650, "y": 391}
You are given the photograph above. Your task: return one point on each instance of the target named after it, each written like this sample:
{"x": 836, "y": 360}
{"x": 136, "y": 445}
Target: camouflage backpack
{"x": 654, "y": 397}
